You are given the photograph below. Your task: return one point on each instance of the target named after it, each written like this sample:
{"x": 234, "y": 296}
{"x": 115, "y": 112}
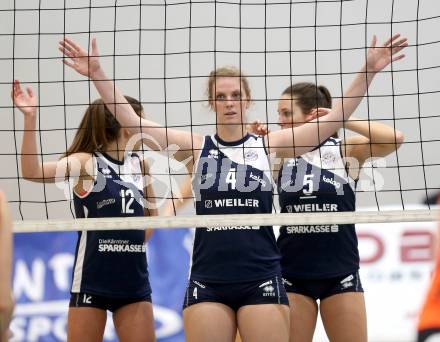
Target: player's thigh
{"x": 85, "y": 324}
{"x": 303, "y": 316}
{"x": 344, "y": 317}
{"x": 209, "y": 321}
{"x": 264, "y": 322}
{"x": 134, "y": 322}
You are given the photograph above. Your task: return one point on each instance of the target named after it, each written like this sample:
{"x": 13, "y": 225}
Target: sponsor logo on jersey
{"x": 213, "y": 154}
{"x": 124, "y": 246}
{"x": 308, "y": 229}
{"x": 105, "y": 202}
{"x": 311, "y": 207}
{"x": 328, "y": 159}
{"x": 251, "y": 155}
{"x": 333, "y": 182}
{"x": 232, "y": 202}
{"x": 258, "y": 179}
{"x": 106, "y": 172}
{"x": 221, "y": 228}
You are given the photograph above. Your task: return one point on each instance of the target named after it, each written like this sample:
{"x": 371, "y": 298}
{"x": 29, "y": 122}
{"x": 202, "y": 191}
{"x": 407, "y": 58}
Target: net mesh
{"x": 161, "y": 52}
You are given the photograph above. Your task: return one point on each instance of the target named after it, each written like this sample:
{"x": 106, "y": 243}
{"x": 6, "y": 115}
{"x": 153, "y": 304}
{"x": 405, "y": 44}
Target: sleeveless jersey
{"x": 112, "y": 263}
{"x": 317, "y": 182}
{"x": 233, "y": 178}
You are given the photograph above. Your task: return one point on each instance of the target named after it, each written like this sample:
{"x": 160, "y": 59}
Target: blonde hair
{"x": 226, "y": 71}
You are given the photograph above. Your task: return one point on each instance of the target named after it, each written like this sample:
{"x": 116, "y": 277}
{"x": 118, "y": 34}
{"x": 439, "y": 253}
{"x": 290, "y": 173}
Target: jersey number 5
{"x": 126, "y": 205}
{"x": 308, "y": 184}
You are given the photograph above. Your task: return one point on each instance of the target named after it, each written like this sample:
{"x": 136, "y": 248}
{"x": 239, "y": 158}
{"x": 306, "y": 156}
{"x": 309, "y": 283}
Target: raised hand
{"x": 27, "y": 102}
{"x": 379, "y": 57}
{"x": 80, "y": 60}
{"x": 320, "y": 111}
{"x": 257, "y": 127}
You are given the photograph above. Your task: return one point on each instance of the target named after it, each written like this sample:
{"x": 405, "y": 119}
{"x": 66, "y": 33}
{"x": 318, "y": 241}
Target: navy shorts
{"x": 324, "y": 288}
{"x": 428, "y": 335}
{"x": 84, "y": 300}
{"x": 236, "y": 295}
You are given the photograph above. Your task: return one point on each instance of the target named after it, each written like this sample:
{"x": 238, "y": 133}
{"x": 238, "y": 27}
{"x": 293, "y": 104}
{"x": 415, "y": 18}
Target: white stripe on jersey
{"x": 77, "y": 274}
{"x": 129, "y": 172}
{"x": 251, "y": 152}
{"x": 328, "y": 156}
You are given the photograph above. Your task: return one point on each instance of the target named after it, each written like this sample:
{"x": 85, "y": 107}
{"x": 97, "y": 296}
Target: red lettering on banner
{"x": 378, "y": 244}
{"x": 417, "y": 246}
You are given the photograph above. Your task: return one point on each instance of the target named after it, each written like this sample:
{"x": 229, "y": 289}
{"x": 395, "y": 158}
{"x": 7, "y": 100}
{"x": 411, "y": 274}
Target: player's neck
{"x": 117, "y": 149}
{"x": 231, "y": 133}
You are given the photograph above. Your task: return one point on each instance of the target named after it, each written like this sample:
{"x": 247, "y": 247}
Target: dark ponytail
{"x": 309, "y": 96}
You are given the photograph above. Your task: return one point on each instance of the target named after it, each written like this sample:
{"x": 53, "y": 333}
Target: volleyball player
{"x": 6, "y": 299}
{"x": 429, "y": 318}
{"x": 110, "y": 270}
{"x": 321, "y": 262}
{"x": 235, "y": 274}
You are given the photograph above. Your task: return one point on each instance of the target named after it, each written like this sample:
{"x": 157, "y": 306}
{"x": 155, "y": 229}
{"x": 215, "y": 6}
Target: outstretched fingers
{"x": 389, "y": 41}
{"x": 16, "y": 89}
{"x": 94, "y": 47}
{"x": 30, "y": 92}
{"x": 373, "y": 41}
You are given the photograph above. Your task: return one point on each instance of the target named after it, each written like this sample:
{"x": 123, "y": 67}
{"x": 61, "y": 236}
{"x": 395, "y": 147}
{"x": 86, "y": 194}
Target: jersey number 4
{"x": 127, "y": 194}
{"x": 230, "y": 178}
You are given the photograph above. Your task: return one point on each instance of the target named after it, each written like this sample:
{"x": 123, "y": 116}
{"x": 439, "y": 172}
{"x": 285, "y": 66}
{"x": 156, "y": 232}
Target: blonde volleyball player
{"x": 235, "y": 275}
{"x": 6, "y": 299}
{"x": 110, "y": 270}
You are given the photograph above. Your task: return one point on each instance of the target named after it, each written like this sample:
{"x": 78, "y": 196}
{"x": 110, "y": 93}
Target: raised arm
{"x": 374, "y": 140}
{"x": 299, "y": 140}
{"x": 6, "y": 300}
{"x": 153, "y": 134}
{"x": 31, "y": 167}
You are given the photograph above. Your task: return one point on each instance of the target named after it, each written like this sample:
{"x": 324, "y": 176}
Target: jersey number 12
{"x": 126, "y": 205}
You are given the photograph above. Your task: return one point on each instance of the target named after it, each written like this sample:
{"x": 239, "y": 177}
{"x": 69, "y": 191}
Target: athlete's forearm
{"x": 154, "y": 134}
{"x": 116, "y": 102}
{"x": 345, "y": 106}
{"x": 377, "y": 132}
{"x": 30, "y": 165}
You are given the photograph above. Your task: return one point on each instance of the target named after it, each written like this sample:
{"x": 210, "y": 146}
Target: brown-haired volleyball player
{"x": 322, "y": 262}
{"x": 110, "y": 270}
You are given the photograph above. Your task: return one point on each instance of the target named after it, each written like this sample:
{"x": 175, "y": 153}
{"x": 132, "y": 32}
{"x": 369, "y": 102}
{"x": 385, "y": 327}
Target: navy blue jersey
{"x": 112, "y": 263}
{"x": 317, "y": 182}
{"x": 233, "y": 178}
